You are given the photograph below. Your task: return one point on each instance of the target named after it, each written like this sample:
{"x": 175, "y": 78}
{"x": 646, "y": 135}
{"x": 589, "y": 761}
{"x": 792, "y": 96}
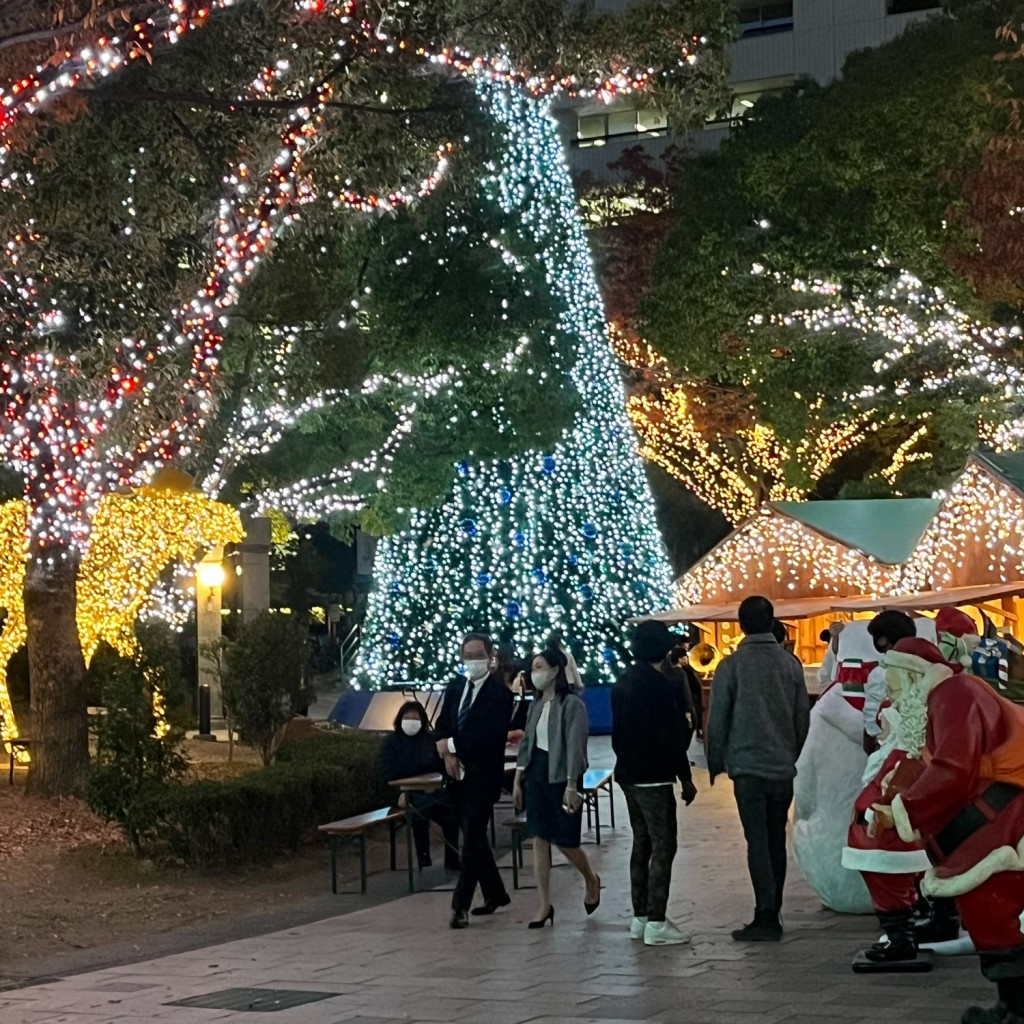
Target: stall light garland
{"x": 772, "y": 548}
{"x": 979, "y": 512}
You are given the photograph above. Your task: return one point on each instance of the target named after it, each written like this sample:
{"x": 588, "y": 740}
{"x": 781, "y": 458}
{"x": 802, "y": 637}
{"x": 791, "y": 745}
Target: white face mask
{"x": 411, "y": 726}
{"x": 544, "y": 678}
{"x": 477, "y": 669}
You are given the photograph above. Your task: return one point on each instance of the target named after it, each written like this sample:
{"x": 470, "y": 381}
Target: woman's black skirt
{"x": 545, "y": 818}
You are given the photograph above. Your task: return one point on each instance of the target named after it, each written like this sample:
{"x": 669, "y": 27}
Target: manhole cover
{"x": 255, "y": 1000}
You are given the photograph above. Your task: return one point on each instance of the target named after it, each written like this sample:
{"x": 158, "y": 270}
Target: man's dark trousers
{"x": 475, "y": 797}
{"x": 652, "y": 816}
{"x": 764, "y": 813}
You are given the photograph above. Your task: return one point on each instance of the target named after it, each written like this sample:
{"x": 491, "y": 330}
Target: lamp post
{"x": 209, "y": 584}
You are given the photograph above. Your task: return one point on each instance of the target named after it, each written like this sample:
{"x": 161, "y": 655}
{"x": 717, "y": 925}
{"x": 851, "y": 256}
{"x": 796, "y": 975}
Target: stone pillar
{"x": 209, "y": 595}
{"x": 252, "y": 569}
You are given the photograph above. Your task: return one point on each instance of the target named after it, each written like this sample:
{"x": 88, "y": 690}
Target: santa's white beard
{"x": 913, "y": 708}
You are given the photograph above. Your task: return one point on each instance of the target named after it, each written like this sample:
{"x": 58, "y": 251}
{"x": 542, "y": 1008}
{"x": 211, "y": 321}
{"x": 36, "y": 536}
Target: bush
{"x": 256, "y": 817}
{"x": 133, "y": 765}
{"x": 265, "y": 679}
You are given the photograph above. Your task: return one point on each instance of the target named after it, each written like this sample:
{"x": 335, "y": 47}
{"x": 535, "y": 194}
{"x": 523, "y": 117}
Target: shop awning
{"x": 798, "y": 608}
{"x": 929, "y": 600}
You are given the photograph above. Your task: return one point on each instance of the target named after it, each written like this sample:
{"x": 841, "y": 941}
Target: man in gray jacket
{"x": 758, "y": 723}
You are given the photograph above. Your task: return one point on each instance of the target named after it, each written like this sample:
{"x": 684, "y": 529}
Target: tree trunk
{"x": 60, "y": 721}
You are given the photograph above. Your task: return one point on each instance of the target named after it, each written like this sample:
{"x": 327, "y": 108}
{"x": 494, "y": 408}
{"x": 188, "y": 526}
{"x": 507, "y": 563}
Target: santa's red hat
{"x": 921, "y": 657}
{"x": 955, "y": 622}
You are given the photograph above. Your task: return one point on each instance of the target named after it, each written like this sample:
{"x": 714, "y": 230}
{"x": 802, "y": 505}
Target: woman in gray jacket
{"x": 549, "y": 775}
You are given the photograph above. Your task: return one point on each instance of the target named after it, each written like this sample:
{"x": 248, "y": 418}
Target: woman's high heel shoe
{"x": 549, "y": 916}
{"x": 591, "y": 907}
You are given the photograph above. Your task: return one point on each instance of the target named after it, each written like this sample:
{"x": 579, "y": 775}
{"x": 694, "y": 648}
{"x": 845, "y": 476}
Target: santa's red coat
{"x": 968, "y": 747}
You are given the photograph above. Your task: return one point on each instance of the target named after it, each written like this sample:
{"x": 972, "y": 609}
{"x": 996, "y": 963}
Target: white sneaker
{"x": 636, "y": 927}
{"x": 663, "y": 933}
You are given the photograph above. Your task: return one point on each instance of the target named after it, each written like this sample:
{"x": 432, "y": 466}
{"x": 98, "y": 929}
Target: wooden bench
{"x": 356, "y": 828}
{"x": 594, "y": 781}
{"x": 13, "y": 746}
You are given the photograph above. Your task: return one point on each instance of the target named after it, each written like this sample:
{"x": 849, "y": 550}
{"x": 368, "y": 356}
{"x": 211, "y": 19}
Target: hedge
{"x": 257, "y": 816}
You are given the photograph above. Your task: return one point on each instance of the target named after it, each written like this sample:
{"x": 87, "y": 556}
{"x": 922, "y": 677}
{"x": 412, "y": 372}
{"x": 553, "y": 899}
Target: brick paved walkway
{"x": 400, "y": 962}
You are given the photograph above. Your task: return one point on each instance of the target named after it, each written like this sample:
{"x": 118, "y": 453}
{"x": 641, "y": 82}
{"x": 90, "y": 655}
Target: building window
{"x": 595, "y": 128}
{"x": 745, "y": 97}
{"x": 908, "y": 6}
{"x": 759, "y": 19}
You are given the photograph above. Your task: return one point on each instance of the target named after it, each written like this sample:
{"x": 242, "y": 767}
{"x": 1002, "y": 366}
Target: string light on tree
{"x": 565, "y": 538}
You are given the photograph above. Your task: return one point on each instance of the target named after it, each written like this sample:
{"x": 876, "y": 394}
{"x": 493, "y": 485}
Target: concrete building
{"x": 780, "y": 42}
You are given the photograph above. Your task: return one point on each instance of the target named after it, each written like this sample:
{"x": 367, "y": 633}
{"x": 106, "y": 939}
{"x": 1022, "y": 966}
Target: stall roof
{"x": 886, "y": 528}
{"x": 798, "y": 608}
{"x": 1009, "y": 465}
{"x": 929, "y": 599}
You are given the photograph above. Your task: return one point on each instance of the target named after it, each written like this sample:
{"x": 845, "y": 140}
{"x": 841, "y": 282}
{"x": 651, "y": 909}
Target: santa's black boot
{"x": 941, "y": 925}
{"x": 1007, "y": 971}
{"x": 898, "y": 944}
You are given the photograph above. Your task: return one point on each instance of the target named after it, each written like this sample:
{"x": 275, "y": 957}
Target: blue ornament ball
{"x": 484, "y": 579}
{"x": 574, "y": 559}
{"x": 548, "y": 464}
{"x": 539, "y": 575}
{"x": 587, "y": 592}
{"x": 462, "y": 468}
{"x": 394, "y": 640}
{"x": 626, "y": 549}
{"x": 641, "y": 588}
{"x": 469, "y": 527}
{"x": 505, "y": 496}
{"x": 590, "y": 531}
{"x": 513, "y": 610}
{"x": 519, "y": 539}
{"x": 608, "y": 654}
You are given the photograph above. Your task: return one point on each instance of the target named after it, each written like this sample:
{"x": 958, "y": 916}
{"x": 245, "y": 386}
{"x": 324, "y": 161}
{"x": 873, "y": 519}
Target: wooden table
{"x": 432, "y": 782}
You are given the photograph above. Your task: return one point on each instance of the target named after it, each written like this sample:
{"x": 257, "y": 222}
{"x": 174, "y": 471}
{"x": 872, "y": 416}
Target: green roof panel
{"x": 886, "y": 528}
{"x": 1009, "y": 465}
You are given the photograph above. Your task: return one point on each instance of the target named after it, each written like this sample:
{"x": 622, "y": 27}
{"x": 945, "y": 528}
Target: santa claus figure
{"x": 889, "y": 866}
{"x": 966, "y": 805}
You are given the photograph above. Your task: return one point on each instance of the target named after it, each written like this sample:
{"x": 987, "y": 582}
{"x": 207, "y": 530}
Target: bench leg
{"x": 611, "y": 803}
{"x": 408, "y": 846}
{"x": 334, "y": 865}
{"x": 586, "y": 803}
{"x": 597, "y": 818}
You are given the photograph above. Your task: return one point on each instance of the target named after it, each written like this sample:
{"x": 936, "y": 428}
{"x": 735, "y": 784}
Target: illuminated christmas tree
{"x": 565, "y": 538}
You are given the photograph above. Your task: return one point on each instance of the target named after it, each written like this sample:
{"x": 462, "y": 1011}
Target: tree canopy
{"x": 843, "y": 257}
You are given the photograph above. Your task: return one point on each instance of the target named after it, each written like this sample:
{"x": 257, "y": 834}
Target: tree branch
{"x": 57, "y": 32}
{"x": 232, "y": 105}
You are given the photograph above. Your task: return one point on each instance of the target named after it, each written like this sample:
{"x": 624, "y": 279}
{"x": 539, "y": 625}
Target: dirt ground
{"x": 69, "y": 884}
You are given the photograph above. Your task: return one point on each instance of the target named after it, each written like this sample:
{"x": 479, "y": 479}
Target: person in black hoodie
{"x": 411, "y": 749}
{"x": 649, "y": 732}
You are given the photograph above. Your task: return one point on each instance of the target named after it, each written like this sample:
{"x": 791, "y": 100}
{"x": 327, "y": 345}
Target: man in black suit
{"x": 471, "y": 729}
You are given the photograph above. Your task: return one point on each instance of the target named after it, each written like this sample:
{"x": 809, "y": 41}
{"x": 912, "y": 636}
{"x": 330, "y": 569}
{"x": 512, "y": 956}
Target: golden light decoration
{"x": 734, "y": 473}
{"x": 134, "y": 537}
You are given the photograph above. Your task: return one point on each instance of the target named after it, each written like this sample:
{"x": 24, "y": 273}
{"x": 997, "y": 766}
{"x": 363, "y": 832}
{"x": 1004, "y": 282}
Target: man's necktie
{"x": 467, "y": 702}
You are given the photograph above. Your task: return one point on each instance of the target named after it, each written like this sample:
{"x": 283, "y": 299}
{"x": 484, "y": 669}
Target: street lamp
{"x": 209, "y": 575}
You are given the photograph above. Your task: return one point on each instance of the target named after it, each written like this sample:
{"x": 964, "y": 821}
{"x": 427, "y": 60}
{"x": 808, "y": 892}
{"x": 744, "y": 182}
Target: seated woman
{"x": 549, "y": 778}
{"x": 410, "y": 749}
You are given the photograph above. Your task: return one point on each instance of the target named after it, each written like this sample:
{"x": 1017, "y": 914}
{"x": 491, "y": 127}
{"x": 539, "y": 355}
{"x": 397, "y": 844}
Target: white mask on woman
{"x": 411, "y": 726}
{"x": 544, "y": 678}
